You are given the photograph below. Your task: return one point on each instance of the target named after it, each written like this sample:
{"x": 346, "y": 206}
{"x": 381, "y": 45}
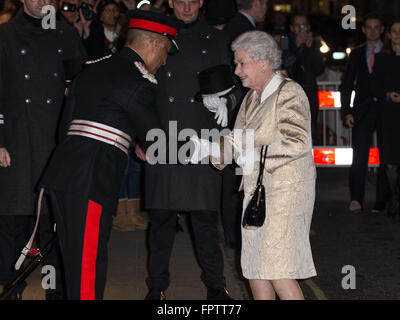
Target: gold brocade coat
{"x": 280, "y": 249}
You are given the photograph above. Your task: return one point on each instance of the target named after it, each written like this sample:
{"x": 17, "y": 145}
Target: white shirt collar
{"x": 271, "y": 87}
{"x": 249, "y": 17}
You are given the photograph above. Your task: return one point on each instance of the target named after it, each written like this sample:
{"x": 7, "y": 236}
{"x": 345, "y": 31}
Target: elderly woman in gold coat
{"x": 278, "y": 253}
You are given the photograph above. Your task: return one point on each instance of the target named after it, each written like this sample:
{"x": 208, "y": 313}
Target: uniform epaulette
{"x": 97, "y": 60}
{"x": 145, "y": 73}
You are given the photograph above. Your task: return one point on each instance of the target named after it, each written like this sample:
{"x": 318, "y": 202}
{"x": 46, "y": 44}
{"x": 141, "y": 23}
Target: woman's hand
{"x": 203, "y": 149}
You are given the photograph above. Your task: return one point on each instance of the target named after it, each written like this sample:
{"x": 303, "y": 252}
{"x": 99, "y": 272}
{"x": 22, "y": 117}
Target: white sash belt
{"x": 100, "y": 132}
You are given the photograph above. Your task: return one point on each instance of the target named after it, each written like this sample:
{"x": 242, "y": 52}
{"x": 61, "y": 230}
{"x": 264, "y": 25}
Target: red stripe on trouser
{"x": 89, "y": 254}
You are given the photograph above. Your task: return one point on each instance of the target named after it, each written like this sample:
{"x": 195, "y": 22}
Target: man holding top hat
{"x": 111, "y": 104}
{"x": 194, "y": 189}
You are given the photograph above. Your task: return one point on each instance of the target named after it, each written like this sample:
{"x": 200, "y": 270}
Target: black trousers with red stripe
{"x": 84, "y": 230}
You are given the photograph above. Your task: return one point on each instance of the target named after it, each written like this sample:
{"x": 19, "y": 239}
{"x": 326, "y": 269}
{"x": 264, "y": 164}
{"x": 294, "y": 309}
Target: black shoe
{"x": 155, "y": 294}
{"x": 218, "y": 294}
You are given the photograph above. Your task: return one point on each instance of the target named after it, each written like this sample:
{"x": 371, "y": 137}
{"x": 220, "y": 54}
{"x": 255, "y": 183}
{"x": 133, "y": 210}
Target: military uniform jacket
{"x": 31, "y": 95}
{"x": 115, "y": 93}
{"x": 187, "y": 187}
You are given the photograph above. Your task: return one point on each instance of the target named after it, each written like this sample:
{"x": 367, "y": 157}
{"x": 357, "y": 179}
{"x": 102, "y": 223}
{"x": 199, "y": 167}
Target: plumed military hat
{"x": 155, "y": 22}
{"x": 215, "y": 80}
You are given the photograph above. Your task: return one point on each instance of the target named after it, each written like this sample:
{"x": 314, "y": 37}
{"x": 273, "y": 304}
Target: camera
{"x": 68, "y": 7}
{"x": 87, "y": 11}
{"x": 303, "y": 28}
{"x": 284, "y": 43}
{"x": 86, "y": 8}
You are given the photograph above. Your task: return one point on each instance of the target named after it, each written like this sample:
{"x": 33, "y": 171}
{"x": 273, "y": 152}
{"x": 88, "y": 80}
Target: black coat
{"x": 237, "y": 25}
{"x": 187, "y": 187}
{"x": 386, "y": 78}
{"x": 357, "y": 70}
{"x": 32, "y": 89}
{"x": 112, "y": 92}
{"x": 307, "y": 66}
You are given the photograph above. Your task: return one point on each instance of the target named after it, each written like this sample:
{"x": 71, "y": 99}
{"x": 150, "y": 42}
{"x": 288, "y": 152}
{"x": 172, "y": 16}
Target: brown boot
{"x": 134, "y": 214}
{"x": 121, "y": 221}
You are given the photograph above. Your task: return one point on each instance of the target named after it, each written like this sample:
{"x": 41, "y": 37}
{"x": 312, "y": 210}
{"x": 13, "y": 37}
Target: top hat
{"x": 215, "y": 80}
{"x": 157, "y": 23}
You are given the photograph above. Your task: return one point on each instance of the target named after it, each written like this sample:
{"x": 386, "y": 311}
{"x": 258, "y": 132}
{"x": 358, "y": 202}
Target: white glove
{"x": 202, "y": 149}
{"x": 217, "y": 105}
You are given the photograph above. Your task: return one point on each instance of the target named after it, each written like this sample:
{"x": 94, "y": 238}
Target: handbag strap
{"x": 263, "y": 155}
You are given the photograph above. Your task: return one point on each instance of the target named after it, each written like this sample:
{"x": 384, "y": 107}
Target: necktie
{"x": 372, "y": 59}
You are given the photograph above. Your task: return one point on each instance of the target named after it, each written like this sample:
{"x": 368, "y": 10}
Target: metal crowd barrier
{"x": 333, "y": 141}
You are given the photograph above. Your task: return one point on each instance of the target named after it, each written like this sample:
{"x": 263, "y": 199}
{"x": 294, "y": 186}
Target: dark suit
{"x": 366, "y": 114}
{"x": 237, "y": 25}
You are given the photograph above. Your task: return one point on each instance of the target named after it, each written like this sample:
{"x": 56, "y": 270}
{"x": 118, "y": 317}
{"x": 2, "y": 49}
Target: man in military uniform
{"x": 173, "y": 188}
{"x": 112, "y": 102}
{"x": 32, "y": 85}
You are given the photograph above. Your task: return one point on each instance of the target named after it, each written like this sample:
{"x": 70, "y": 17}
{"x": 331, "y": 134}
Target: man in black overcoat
{"x": 195, "y": 189}
{"x": 34, "y": 64}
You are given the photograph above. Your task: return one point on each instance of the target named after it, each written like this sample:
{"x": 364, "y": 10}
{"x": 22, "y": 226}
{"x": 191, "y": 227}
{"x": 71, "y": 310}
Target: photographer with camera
{"x": 96, "y": 22}
{"x": 303, "y": 62}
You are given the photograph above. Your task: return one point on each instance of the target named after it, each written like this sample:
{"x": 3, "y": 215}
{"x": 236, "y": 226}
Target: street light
{"x": 324, "y": 48}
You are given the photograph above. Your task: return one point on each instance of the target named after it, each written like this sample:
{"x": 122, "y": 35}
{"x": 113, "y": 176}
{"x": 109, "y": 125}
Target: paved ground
{"x": 368, "y": 242}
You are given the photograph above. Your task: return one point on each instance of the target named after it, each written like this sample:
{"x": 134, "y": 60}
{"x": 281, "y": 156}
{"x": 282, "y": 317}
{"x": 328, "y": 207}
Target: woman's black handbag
{"x": 254, "y": 214}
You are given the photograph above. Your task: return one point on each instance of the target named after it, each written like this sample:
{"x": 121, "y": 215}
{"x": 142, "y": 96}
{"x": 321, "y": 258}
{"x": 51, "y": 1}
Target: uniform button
{"x": 28, "y": 101}
{"x": 23, "y": 51}
{"x": 27, "y": 76}
{"x": 60, "y": 51}
{"x": 191, "y": 100}
{"x": 48, "y": 100}
{"x": 171, "y": 99}
{"x": 208, "y": 36}
{"x": 204, "y": 51}
{"x": 169, "y": 74}
{"x": 55, "y": 74}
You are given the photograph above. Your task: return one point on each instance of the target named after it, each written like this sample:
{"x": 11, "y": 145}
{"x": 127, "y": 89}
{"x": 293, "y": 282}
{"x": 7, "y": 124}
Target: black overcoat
{"x": 176, "y": 186}
{"x": 32, "y": 86}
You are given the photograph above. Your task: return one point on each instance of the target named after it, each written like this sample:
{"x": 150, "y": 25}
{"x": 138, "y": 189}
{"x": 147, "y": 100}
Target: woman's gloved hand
{"x": 203, "y": 149}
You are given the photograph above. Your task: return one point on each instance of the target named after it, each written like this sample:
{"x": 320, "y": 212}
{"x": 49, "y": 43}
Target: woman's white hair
{"x": 260, "y": 46}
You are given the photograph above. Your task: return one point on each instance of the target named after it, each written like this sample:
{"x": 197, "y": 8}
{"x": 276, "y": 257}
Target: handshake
{"x": 204, "y": 148}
